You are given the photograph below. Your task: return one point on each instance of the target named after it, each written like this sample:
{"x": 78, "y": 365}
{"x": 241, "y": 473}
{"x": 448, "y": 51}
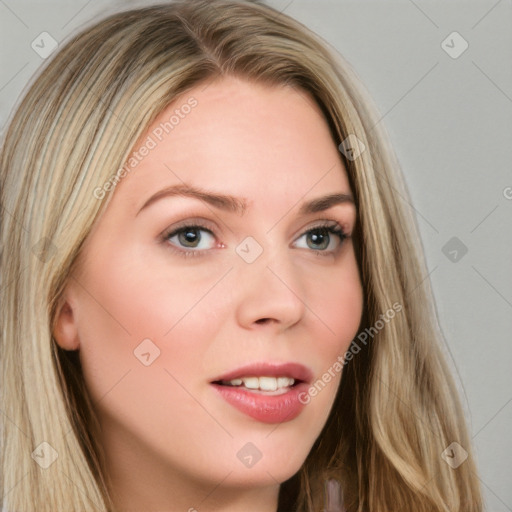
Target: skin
{"x": 170, "y": 441}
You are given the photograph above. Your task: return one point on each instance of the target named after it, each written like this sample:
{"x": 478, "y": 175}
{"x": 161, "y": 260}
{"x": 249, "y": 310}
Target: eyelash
{"x": 332, "y": 229}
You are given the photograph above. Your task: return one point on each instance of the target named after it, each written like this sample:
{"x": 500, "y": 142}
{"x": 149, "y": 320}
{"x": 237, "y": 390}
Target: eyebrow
{"x": 239, "y": 205}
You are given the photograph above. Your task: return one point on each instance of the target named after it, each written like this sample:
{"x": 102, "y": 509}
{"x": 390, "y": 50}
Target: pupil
{"x": 321, "y": 238}
{"x": 190, "y": 237}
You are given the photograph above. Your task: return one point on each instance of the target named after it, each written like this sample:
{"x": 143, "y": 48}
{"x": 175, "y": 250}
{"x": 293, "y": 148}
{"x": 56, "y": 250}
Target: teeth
{"x": 268, "y": 383}
{"x": 262, "y": 383}
{"x": 251, "y": 382}
{"x": 283, "y": 382}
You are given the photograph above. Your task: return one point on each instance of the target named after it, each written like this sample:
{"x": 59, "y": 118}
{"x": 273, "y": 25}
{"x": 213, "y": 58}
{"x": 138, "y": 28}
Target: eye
{"x": 193, "y": 237}
{"x": 326, "y": 238}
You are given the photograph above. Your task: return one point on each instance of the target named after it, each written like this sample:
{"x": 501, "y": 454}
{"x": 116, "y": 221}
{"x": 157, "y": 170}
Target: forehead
{"x": 241, "y": 138}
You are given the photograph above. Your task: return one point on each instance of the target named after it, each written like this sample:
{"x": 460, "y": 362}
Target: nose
{"x": 269, "y": 292}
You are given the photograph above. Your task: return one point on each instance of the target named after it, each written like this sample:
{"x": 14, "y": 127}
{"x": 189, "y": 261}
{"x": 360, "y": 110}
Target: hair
{"x": 397, "y": 408}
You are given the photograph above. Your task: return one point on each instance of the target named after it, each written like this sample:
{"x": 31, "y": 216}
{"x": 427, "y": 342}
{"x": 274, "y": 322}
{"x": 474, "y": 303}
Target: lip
{"x": 261, "y": 407}
{"x": 296, "y": 371}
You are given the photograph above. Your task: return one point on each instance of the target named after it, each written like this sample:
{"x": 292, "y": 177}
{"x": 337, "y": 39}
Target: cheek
{"x": 132, "y": 314}
{"x": 337, "y": 301}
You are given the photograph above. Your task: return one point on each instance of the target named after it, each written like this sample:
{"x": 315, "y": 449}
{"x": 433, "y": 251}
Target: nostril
{"x": 263, "y": 320}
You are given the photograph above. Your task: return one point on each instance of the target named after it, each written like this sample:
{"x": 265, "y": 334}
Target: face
{"x": 224, "y": 256}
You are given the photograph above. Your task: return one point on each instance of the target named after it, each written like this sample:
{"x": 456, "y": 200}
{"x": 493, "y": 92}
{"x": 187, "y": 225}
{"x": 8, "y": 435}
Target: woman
{"x": 214, "y": 297}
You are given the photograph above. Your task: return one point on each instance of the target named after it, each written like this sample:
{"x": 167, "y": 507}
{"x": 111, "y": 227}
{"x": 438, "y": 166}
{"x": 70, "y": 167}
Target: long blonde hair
{"x": 397, "y": 409}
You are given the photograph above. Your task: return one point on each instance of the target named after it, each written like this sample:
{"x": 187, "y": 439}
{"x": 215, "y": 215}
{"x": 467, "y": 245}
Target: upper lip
{"x": 295, "y": 371}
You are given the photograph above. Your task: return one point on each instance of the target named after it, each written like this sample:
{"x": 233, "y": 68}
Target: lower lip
{"x": 265, "y": 408}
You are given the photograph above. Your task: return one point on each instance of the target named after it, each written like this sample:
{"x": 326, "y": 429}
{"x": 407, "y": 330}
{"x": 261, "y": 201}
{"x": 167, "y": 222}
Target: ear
{"x": 65, "y": 329}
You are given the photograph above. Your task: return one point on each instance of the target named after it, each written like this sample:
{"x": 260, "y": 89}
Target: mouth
{"x": 267, "y": 392}
{"x": 266, "y": 385}
{"x": 267, "y": 377}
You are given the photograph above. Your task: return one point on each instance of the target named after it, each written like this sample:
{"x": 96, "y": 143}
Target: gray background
{"x": 450, "y": 121}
